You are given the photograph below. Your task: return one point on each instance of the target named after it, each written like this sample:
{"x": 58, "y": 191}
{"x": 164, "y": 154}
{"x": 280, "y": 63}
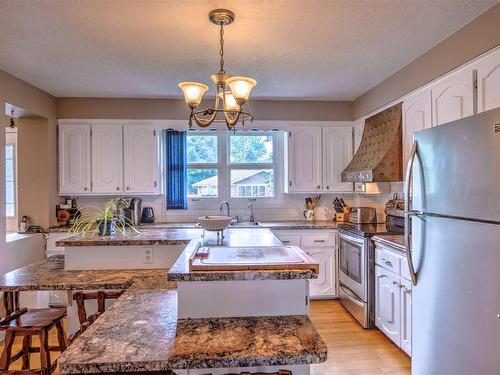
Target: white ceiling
{"x": 297, "y": 49}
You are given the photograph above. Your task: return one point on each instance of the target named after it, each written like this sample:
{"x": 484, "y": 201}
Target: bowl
{"x": 214, "y": 223}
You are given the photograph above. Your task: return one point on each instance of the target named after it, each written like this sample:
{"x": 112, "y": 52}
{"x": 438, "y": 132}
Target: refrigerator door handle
{"x": 409, "y": 211}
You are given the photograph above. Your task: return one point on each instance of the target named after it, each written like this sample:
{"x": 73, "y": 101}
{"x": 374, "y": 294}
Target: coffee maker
{"x": 130, "y": 209}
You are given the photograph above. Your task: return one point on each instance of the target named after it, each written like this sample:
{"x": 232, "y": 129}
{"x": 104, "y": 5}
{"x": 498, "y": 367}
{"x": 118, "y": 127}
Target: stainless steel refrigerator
{"x": 453, "y": 239}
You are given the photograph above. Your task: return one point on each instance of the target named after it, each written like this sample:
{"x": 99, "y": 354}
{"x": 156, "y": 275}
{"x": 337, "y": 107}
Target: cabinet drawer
{"x": 388, "y": 260}
{"x": 317, "y": 240}
{"x": 289, "y": 240}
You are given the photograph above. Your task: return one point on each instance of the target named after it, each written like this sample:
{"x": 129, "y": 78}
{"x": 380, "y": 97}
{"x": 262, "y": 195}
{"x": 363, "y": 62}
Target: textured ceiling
{"x": 299, "y": 49}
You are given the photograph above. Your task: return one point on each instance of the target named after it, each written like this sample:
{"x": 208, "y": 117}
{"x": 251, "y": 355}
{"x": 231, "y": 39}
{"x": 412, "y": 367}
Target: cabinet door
{"x": 337, "y": 153}
{"x": 304, "y": 159}
{"x": 453, "y": 98}
{"x": 417, "y": 115}
{"x": 140, "y": 159}
{"x": 74, "y": 159}
{"x": 324, "y": 285}
{"x": 488, "y": 83}
{"x": 107, "y": 159}
{"x": 406, "y": 316}
{"x": 387, "y": 303}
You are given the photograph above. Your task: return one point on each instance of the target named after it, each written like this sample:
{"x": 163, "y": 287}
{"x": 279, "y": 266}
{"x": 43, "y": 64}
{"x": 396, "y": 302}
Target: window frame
{"x": 11, "y": 222}
{"x": 224, "y": 167}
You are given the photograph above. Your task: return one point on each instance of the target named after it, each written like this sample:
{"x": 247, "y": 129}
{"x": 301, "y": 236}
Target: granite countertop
{"x": 180, "y": 270}
{"x": 152, "y": 237}
{"x": 140, "y": 332}
{"x": 49, "y": 274}
{"x": 276, "y": 225}
{"x": 395, "y": 240}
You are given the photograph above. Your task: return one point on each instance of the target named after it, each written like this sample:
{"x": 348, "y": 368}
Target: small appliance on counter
{"x": 148, "y": 215}
{"x": 362, "y": 215}
{"x": 130, "y": 209}
{"x": 24, "y": 227}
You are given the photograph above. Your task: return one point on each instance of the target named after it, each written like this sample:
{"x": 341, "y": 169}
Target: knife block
{"x": 341, "y": 217}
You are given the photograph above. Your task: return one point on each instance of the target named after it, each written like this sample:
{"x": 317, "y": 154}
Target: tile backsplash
{"x": 291, "y": 208}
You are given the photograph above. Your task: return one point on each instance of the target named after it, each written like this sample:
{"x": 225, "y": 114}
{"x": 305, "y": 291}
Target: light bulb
{"x": 193, "y": 92}
{"x": 230, "y": 103}
{"x": 241, "y": 87}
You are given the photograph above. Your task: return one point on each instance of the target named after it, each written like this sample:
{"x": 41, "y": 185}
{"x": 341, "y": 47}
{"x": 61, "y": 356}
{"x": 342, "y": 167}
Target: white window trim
{"x": 224, "y": 167}
{"x": 11, "y": 222}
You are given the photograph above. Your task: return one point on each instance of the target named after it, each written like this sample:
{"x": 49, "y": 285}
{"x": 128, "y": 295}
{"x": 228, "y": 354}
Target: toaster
{"x": 362, "y": 215}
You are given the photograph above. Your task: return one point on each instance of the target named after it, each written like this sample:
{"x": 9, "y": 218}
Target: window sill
{"x": 14, "y": 236}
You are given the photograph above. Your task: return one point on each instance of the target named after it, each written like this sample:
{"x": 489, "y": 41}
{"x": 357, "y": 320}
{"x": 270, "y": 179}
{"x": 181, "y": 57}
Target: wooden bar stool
{"x": 27, "y": 323}
{"x": 101, "y": 297}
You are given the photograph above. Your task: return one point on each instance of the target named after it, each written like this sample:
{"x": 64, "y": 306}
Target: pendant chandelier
{"x": 232, "y": 92}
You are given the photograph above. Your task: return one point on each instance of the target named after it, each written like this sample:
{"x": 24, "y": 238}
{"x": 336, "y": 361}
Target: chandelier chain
{"x": 221, "y": 51}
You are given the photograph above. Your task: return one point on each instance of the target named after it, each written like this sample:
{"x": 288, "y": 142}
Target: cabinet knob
{"x": 85, "y": 188}
{"x": 117, "y": 188}
{"x": 319, "y": 187}
{"x": 327, "y": 187}
{"x": 396, "y": 284}
{"x": 128, "y": 188}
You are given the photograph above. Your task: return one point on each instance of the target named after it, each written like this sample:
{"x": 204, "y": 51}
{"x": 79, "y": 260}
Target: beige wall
{"x": 33, "y": 181}
{"x": 40, "y": 103}
{"x": 174, "y": 109}
{"x": 475, "y": 38}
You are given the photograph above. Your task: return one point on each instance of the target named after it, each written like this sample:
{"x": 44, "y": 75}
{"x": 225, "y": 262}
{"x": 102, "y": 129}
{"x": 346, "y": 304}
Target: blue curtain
{"x": 176, "y": 169}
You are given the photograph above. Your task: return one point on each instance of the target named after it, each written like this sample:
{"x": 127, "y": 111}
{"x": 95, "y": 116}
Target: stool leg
{"x": 61, "y": 336}
{"x": 44, "y": 350}
{"x": 7, "y": 350}
{"x": 26, "y": 352}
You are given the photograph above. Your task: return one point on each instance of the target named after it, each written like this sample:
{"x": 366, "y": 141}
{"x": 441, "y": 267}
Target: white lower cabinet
{"x": 406, "y": 316}
{"x": 320, "y": 245}
{"x": 393, "y": 297}
{"x": 387, "y": 304}
{"x": 324, "y": 285}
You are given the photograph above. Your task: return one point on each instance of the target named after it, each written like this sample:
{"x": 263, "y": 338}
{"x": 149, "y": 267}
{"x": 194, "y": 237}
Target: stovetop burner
{"x": 394, "y": 225}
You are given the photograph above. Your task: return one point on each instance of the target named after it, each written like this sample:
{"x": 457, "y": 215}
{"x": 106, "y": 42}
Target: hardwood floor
{"x": 351, "y": 349}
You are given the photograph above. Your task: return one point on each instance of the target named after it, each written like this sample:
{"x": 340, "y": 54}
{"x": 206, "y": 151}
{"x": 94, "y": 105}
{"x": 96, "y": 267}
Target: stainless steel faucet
{"x": 228, "y": 207}
{"x": 250, "y": 206}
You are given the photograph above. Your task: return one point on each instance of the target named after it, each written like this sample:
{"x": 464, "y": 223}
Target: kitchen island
{"x": 142, "y": 331}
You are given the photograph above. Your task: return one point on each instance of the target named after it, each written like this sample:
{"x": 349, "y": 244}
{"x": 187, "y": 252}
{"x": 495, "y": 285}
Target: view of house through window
{"x": 223, "y": 164}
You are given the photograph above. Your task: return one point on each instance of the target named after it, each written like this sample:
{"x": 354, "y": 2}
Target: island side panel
{"x": 121, "y": 257}
{"x": 241, "y": 298}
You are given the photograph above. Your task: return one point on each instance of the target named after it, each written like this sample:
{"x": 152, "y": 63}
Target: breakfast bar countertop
{"x": 140, "y": 332}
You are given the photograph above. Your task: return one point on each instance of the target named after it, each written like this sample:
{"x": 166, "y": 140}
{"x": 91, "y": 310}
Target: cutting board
{"x": 251, "y": 258}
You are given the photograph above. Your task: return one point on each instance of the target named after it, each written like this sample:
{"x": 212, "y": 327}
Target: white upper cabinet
{"x": 107, "y": 159}
{"x": 74, "y": 159}
{"x": 304, "y": 160}
{"x": 488, "y": 83}
{"x": 337, "y": 153}
{"x": 359, "y": 127}
{"x": 453, "y": 98}
{"x": 417, "y": 115}
{"x": 140, "y": 159}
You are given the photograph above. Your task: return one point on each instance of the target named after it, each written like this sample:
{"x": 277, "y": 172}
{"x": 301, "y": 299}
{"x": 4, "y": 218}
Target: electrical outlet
{"x": 148, "y": 255}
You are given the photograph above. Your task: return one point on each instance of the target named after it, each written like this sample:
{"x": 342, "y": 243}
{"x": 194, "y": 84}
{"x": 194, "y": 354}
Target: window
{"x": 229, "y": 165}
{"x": 10, "y": 174}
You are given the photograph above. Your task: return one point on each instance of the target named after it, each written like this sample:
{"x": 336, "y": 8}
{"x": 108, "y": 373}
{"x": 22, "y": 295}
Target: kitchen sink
{"x": 245, "y": 224}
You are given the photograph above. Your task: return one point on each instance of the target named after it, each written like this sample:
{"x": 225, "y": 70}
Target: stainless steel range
{"x": 356, "y": 266}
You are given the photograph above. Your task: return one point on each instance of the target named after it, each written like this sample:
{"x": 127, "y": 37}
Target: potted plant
{"x": 106, "y": 221}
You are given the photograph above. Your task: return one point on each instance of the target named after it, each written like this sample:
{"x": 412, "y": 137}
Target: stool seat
{"x": 26, "y": 323}
{"x": 36, "y": 318}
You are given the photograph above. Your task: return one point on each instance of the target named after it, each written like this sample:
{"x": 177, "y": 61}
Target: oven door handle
{"x": 350, "y": 293}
